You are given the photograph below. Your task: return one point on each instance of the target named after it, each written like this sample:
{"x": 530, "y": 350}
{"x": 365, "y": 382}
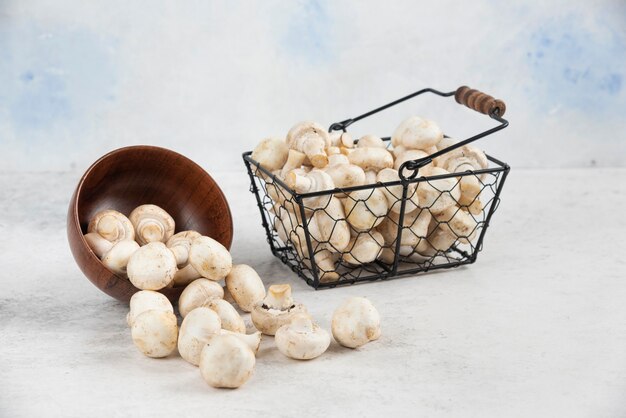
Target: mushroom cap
{"x": 155, "y": 333}
{"x": 197, "y": 327}
{"x": 231, "y": 320}
{"x": 458, "y": 222}
{"x": 371, "y": 158}
{"x": 198, "y": 293}
{"x": 438, "y": 195}
{"x": 417, "y": 133}
{"x": 408, "y": 155}
{"x": 355, "y": 322}
{"x": 245, "y": 286}
{"x": 116, "y": 259}
{"x": 276, "y": 309}
{"x": 112, "y": 226}
{"x": 371, "y": 141}
{"x": 343, "y": 173}
{"x": 307, "y": 128}
{"x": 365, "y": 209}
{"x": 226, "y": 362}
{"x": 269, "y": 320}
{"x": 455, "y": 161}
{"x": 329, "y": 227}
{"x": 185, "y": 275}
{"x": 301, "y": 339}
{"x": 98, "y": 244}
{"x": 364, "y": 248}
{"x": 145, "y": 300}
{"x": 151, "y": 267}
{"x": 210, "y": 258}
{"x": 414, "y": 224}
{"x": 394, "y": 193}
{"x": 180, "y": 244}
{"x": 312, "y": 139}
{"x": 152, "y": 224}
{"x": 271, "y": 153}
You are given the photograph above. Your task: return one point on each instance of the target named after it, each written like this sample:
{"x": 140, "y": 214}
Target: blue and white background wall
{"x": 210, "y": 79}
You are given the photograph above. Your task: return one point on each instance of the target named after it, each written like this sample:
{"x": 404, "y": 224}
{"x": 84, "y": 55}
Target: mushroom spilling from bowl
{"x": 320, "y": 204}
{"x": 213, "y": 335}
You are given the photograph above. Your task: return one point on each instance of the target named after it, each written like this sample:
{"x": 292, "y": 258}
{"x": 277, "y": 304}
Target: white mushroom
{"x": 245, "y": 286}
{"x": 311, "y": 139}
{"x": 116, "y": 259}
{"x": 438, "y": 195}
{"x": 200, "y": 324}
{"x": 343, "y": 173}
{"x": 186, "y": 275}
{"x": 445, "y": 143}
{"x": 458, "y": 222}
{"x": 314, "y": 181}
{"x": 414, "y": 227}
{"x": 210, "y": 258}
{"x": 394, "y": 193}
{"x": 253, "y": 341}
{"x": 417, "y": 133}
{"x": 341, "y": 139}
{"x": 98, "y": 244}
{"x": 371, "y": 158}
{"x": 408, "y": 155}
{"x": 155, "y": 333}
{"x": 226, "y": 362}
{"x": 295, "y": 159}
{"x": 231, "y": 320}
{"x": 356, "y": 322}
{"x": 146, "y": 300}
{"x": 467, "y": 154}
{"x": 152, "y": 224}
{"x": 325, "y": 261}
{"x": 365, "y": 208}
{"x": 151, "y": 267}
{"x": 475, "y": 207}
{"x": 301, "y": 339}
{"x": 271, "y": 153}
{"x": 276, "y": 309}
{"x": 439, "y": 239}
{"x": 199, "y": 293}
{"x": 112, "y": 226}
{"x": 180, "y": 244}
{"x": 370, "y": 177}
{"x": 328, "y": 226}
{"x": 364, "y": 248}
{"x": 371, "y": 141}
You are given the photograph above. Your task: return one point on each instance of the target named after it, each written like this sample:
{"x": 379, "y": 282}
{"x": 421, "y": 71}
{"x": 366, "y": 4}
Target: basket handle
{"x": 479, "y": 101}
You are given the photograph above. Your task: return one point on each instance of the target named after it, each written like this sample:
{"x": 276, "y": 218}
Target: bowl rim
{"x": 79, "y": 187}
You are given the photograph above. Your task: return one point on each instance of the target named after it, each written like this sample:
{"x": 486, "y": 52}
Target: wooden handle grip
{"x": 479, "y": 101}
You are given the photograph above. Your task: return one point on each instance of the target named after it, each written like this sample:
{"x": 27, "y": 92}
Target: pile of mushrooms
{"x": 361, "y": 226}
{"x": 212, "y": 334}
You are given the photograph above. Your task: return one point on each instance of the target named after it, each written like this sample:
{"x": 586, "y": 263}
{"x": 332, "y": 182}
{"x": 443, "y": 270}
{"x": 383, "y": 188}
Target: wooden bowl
{"x": 128, "y": 177}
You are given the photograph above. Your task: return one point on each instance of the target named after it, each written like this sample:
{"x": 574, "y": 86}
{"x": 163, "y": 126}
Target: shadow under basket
{"x": 445, "y": 229}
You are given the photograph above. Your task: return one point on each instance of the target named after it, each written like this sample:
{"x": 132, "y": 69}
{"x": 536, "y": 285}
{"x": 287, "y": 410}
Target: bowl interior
{"x": 132, "y": 176}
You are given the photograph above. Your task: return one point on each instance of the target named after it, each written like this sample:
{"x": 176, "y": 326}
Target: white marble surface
{"x": 537, "y": 327}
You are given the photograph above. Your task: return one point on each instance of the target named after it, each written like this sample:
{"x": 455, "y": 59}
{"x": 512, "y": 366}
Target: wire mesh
{"x": 369, "y": 233}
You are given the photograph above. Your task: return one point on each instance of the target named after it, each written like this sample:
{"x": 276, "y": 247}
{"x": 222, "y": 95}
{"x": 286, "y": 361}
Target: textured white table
{"x": 537, "y": 327}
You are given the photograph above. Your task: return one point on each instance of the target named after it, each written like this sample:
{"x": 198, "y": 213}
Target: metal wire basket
{"x": 411, "y": 239}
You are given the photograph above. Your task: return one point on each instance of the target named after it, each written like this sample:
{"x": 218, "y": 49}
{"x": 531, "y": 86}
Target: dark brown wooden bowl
{"x": 128, "y": 177}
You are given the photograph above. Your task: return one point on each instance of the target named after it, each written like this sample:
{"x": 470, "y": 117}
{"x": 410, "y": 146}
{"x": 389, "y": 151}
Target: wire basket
{"x": 444, "y": 229}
